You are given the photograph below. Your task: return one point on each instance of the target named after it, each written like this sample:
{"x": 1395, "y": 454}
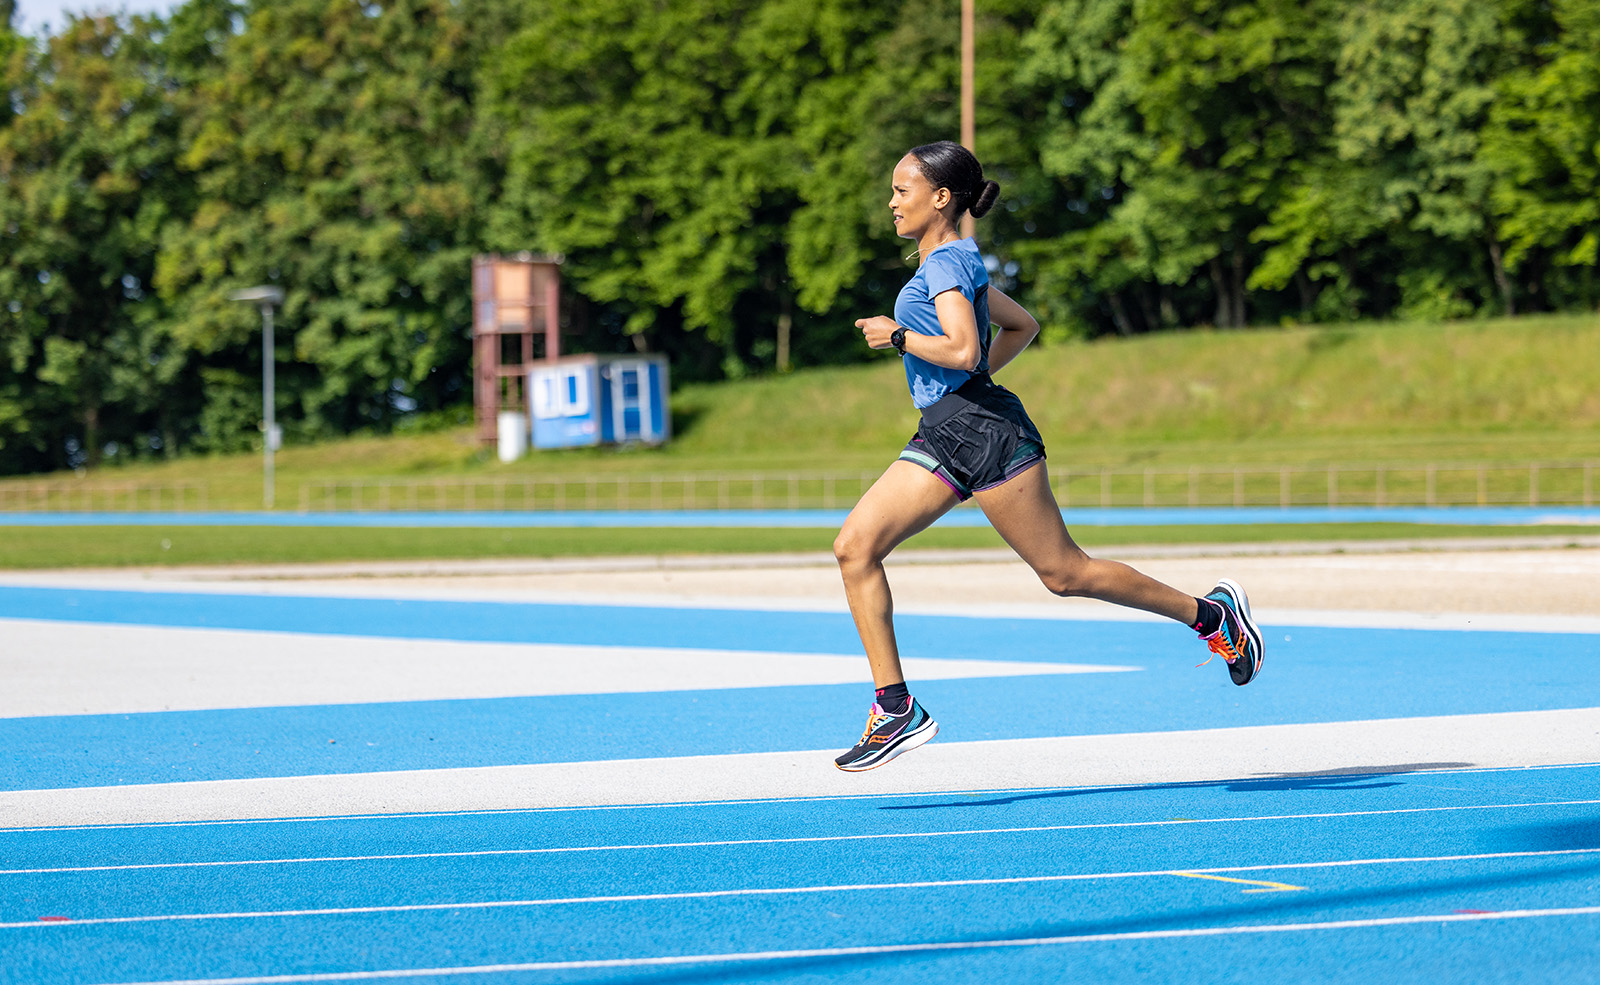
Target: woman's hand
{"x": 956, "y": 348}
{"x": 876, "y": 330}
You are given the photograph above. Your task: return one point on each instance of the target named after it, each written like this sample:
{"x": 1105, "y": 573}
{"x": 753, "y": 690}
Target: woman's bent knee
{"x": 852, "y": 550}
{"x": 1064, "y": 585}
{"x": 1068, "y": 580}
{"x": 843, "y": 547}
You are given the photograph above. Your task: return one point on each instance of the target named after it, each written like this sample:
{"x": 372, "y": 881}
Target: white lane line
{"x": 778, "y": 890}
{"x": 876, "y": 836}
{"x": 673, "y": 805}
{"x": 844, "y": 952}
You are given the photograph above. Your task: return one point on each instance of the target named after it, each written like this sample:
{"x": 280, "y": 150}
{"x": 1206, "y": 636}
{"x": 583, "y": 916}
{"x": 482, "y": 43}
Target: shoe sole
{"x": 1242, "y": 604}
{"x": 910, "y": 742}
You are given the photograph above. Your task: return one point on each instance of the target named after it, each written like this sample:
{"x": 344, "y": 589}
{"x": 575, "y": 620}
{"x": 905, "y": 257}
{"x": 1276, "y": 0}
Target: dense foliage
{"x": 714, "y": 173}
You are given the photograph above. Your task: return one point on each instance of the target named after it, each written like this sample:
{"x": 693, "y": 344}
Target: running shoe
{"x": 1238, "y": 639}
{"x": 887, "y": 736}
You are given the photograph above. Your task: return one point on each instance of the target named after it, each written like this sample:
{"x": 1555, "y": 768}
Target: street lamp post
{"x": 266, "y": 298}
{"x": 968, "y": 96}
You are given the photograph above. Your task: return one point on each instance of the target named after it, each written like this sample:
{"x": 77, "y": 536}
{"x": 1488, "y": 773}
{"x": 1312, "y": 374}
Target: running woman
{"x": 976, "y": 441}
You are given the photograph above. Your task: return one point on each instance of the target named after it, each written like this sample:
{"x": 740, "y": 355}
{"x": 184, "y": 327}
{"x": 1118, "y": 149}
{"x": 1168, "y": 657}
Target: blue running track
{"x": 1439, "y": 871}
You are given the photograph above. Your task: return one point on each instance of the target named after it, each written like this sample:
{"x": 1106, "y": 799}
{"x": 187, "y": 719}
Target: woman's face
{"x": 915, "y": 203}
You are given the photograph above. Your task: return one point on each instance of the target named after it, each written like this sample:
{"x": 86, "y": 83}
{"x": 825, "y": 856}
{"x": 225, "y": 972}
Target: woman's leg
{"x": 1025, "y": 513}
{"x": 904, "y": 501}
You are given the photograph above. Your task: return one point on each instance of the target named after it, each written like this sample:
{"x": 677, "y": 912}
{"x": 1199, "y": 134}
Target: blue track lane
{"x": 1312, "y": 675}
{"x": 1292, "y": 879}
{"x": 1324, "y": 676}
{"x": 1099, "y": 862}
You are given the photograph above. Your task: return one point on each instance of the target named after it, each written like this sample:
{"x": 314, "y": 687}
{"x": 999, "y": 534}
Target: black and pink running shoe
{"x": 1238, "y": 638}
{"x": 887, "y": 736}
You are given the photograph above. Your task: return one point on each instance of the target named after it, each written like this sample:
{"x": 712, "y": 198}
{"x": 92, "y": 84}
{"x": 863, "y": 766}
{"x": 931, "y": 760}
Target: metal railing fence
{"x": 1374, "y": 485}
{"x": 1345, "y": 484}
{"x": 1548, "y": 483}
{"x": 684, "y": 491}
{"x": 107, "y": 497}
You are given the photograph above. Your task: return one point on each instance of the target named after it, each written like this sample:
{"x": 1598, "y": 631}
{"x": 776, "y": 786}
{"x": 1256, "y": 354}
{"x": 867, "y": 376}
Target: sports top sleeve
{"x": 953, "y": 266}
{"x": 945, "y": 272}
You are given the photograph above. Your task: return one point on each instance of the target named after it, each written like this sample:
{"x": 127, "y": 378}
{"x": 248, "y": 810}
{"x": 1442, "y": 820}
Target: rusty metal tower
{"x": 516, "y": 323}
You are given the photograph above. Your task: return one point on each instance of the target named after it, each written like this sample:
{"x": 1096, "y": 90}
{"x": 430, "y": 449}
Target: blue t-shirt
{"x": 956, "y": 265}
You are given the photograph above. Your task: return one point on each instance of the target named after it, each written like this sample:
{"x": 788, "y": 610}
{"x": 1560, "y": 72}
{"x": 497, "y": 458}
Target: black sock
{"x": 1210, "y": 617}
{"x": 894, "y": 698}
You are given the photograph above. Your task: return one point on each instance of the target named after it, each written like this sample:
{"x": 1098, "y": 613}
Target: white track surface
{"x": 1518, "y": 739}
{"x": 98, "y": 669}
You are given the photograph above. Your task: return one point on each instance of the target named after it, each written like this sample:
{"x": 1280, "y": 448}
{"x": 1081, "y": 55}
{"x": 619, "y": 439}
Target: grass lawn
{"x": 1494, "y": 391}
{"x": 80, "y": 547}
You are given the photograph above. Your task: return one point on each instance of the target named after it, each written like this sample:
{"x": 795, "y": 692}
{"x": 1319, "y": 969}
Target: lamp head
{"x": 260, "y": 295}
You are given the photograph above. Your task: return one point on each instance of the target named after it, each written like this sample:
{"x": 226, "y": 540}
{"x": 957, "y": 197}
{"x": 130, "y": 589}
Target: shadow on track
{"x": 1343, "y": 778}
{"x": 1279, "y": 908}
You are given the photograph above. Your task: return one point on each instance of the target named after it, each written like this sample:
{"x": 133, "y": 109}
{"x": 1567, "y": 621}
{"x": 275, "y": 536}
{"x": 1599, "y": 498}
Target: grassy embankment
{"x": 1494, "y": 391}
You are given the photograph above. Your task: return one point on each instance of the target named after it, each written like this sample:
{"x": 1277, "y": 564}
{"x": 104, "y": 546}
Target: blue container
{"x": 591, "y": 400}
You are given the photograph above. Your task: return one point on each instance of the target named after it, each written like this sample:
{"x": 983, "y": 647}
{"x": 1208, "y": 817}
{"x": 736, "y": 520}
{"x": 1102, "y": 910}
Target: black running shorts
{"x": 975, "y": 438}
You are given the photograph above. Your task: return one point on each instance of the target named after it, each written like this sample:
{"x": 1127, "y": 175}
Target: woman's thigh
{"x": 1023, "y": 511}
{"x": 904, "y": 501}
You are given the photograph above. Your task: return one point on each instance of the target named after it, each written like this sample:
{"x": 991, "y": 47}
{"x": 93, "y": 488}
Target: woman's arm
{"x": 1017, "y": 329}
{"x": 957, "y": 348}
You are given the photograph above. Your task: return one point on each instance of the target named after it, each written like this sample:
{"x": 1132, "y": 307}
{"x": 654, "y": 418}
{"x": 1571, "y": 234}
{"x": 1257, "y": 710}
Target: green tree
{"x": 11, "y": 45}
{"x": 1542, "y": 144}
{"x": 1399, "y": 190}
{"x": 1175, "y": 130}
{"x": 334, "y": 155}
{"x": 710, "y": 168}
{"x": 87, "y": 178}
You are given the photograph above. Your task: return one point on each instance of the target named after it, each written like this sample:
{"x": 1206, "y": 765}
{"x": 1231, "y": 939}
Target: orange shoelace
{"x": 875, "y": 717}
{"x": 1219, "y": 643}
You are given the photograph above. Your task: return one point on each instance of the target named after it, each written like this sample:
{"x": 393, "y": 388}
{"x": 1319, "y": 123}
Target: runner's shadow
{"x": 1576, "y": 834}
{"x": 1343, "y": 778}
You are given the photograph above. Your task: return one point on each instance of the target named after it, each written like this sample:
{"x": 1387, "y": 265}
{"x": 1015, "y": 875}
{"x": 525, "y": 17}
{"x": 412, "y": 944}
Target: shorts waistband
{"x": 956, "y": 400}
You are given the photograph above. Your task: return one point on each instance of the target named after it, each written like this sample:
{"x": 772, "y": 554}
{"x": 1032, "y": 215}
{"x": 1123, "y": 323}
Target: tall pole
{"x": 266, "y": 298}
{"x": 968, "y": 99}
{"x": 268, "y": 380}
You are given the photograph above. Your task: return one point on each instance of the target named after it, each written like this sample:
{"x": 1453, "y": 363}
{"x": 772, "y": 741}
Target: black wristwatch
{"x": 897, "y": 338}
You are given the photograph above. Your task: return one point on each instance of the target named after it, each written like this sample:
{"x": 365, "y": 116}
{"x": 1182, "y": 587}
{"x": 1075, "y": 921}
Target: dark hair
{"x": 947, "y": 164}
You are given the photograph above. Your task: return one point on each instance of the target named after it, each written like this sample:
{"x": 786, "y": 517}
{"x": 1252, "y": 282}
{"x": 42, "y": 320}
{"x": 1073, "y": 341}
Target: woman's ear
{"x": 942, "y": 198}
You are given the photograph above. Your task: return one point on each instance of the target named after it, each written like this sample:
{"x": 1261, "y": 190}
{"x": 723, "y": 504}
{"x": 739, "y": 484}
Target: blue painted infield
{"x": 1119, "y": 881}
{"x": 1321, "y": 677}
{"x": 968, "y": 517}
{"x": 821, "y": 876}
{"x": 1312, "y": 675}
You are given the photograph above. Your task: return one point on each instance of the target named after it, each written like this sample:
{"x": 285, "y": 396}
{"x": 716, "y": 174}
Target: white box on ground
{"x": 513, "y": 430}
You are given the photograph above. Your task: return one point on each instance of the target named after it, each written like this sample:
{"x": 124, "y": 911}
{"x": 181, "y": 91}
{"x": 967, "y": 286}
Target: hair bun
{"x": 988, "y": 192}
{"x": 947, "y": 164}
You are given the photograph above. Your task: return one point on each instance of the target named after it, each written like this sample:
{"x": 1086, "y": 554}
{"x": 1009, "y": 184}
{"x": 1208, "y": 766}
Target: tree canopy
{"x": 715, "y": 174}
